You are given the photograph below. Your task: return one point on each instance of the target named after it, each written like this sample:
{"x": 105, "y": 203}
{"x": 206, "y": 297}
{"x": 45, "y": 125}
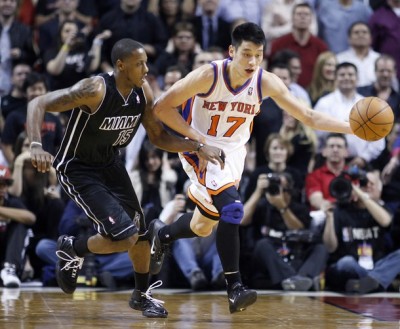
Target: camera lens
{"x": 340, "y": 188}
{"x": 273, "y": 189}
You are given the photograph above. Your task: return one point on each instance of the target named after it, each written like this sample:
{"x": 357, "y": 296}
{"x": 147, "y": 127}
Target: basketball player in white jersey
{"x": 220, "y": 101}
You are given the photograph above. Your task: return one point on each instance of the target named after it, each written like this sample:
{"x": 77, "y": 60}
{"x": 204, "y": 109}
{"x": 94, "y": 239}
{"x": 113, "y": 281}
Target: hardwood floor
{"x": 95, "y": 308}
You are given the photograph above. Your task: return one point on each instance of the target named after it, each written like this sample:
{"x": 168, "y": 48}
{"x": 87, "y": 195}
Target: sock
{"x": 180, "y": 229}
{"x": 80, "y": 246}
{"x": 228, "y": 246}
{"x": 141, "y": 281}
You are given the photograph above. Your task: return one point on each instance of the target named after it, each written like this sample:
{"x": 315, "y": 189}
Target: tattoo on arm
{"x": 78, "y": 95}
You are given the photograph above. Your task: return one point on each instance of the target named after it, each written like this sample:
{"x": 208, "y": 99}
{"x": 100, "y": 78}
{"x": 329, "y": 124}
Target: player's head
{"x": 248, "y": 32}
{"x": 247, "y": 49}
{"x": 124, "y": 49}
{"x": 129, "y": 60}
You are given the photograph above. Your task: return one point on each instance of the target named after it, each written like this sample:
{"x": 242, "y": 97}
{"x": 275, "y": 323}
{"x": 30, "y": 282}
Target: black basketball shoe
{"x": 239, "y": 298}
{"x": 68, "y": 264}
{"x": 150, "y": 307}
{"x": 157, "y": 250}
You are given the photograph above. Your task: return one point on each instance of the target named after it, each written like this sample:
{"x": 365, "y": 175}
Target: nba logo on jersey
{"x": 250, "y": 91}
{"x": 137, "y": 99}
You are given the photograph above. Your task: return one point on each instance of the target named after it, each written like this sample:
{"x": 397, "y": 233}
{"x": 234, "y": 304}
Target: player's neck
{"x": 122, "y": 87}
{"x": 235, "y": 79}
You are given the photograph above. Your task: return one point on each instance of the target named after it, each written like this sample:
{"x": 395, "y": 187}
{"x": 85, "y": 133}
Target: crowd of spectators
{"x": 322, "y": 210}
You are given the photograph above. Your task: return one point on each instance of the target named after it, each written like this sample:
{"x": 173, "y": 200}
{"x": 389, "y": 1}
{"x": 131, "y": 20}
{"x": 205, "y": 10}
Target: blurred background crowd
{"x": 321, "y": 210}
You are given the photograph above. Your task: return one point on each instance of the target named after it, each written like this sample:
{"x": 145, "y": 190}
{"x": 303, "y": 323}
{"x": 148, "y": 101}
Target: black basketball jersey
{"x": 94, "y": 138}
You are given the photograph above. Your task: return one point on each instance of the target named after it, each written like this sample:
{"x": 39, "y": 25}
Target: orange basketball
{"x": 371, "y": 118}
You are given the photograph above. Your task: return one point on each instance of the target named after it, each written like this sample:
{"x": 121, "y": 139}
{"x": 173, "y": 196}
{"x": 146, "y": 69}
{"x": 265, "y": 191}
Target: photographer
{"x": 277, "y": 151}
{"x": 286, "y": 253}
{"x": 355, "y": 235}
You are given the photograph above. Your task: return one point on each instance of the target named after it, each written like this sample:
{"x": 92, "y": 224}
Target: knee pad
{"x": 232, "y": 213}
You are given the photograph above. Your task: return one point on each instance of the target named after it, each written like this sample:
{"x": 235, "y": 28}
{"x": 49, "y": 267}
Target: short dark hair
{"x": 32, "y": 79}
{"x": 248, "y": 32}
{"x": 355, "y": 24}
{"x": 123, "y": 49}
{"x": 302, "y": 5}
{"x": 281, "y": 66}
{"x": 284, "y": 56}
{"x": 344, "y": 65}
{"x": 177, "y": 67}
{"x": 335, "y": 135}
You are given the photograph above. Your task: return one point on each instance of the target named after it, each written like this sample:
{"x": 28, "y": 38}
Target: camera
{"x": 274, "y": 183}
{"x": 340, "y": 187}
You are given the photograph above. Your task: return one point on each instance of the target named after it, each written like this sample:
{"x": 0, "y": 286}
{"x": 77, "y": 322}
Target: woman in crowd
{"x": 323, "y": 79}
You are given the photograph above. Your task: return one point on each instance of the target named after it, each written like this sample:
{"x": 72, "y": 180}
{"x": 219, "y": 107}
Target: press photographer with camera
{"x": 355, "y": 235}
{"x": 277, "y": 151}
{"x": 287, "y": 253}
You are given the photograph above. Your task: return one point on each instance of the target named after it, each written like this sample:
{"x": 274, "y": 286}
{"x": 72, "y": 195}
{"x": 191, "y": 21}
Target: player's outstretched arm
{"x": 86, "y": 94}
{"x": 275, "y": 88}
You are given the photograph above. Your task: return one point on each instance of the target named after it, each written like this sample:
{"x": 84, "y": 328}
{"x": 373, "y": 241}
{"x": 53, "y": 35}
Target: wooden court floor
{"x": 29, "y": 308}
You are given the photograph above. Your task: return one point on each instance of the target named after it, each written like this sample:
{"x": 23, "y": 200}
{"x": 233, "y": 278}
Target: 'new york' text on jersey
{"x": 224, "y": 116}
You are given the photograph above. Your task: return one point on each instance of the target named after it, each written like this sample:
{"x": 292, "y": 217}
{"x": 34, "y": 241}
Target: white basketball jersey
{"x": 224, "y": 116}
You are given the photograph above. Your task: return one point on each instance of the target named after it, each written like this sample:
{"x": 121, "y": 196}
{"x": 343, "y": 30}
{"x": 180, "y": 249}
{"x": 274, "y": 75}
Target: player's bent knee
{"x": 232, "y": 213}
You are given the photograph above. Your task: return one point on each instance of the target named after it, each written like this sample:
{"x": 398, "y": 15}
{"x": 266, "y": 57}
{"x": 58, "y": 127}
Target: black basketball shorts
{"x": 107, "y": 196}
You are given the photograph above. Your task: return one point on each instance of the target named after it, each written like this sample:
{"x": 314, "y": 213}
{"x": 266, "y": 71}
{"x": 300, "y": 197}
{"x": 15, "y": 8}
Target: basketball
{"x": 371, "y": 118}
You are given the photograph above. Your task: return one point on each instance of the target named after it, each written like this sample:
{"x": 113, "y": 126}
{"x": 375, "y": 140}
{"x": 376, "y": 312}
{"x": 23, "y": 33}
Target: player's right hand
{"x": 41, "y": 159}
{"x": 213, "y": 154}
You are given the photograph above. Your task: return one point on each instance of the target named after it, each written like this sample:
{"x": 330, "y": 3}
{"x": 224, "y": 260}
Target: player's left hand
{"x": 210, "y": 153}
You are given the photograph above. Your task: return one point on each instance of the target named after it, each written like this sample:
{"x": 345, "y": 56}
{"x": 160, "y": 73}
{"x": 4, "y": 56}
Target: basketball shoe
{"x": 157, "y": 250}
{"x": 9, "y": 276}
{"x": 68, "y": 264}
{"x": 150, "y": 307}
{"x": 240, "y": 298}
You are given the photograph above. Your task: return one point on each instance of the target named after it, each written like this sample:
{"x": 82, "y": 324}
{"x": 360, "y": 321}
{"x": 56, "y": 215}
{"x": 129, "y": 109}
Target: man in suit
{"x": 211, "y": 30}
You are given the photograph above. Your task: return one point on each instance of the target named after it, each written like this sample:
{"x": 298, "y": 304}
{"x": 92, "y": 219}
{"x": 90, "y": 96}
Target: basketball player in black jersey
{"x": 107, "y": 110}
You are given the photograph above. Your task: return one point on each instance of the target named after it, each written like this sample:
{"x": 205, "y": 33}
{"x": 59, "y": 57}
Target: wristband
{"x": 283, "y": 210}
{"x": 97, "y": 42}
{"x": 65, "y": 48}
{"x": 199, "y": 147}
{"x": 35, "y": 143}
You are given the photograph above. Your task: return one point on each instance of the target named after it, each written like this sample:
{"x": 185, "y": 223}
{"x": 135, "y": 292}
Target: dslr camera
{"x": 274, "y": 184}
{"x": 340, "y": 187}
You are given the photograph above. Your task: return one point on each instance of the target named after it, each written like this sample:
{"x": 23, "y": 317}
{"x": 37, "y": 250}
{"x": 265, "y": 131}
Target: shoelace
{"x": 72, "y": 262}
{"x": 147, "y": 294}
{"x": 10, "y": 271}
